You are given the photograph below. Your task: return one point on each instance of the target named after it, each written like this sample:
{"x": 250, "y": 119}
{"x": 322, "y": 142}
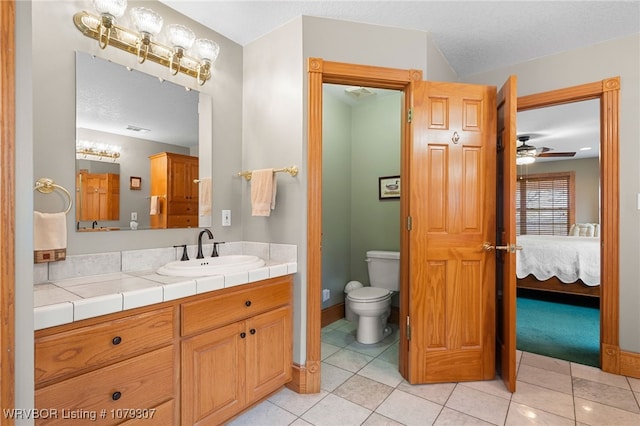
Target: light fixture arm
{"x": 130, "y": 41}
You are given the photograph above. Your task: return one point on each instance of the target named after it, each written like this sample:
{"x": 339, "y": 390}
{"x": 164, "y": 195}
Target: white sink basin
{"x": 211, "y": 266}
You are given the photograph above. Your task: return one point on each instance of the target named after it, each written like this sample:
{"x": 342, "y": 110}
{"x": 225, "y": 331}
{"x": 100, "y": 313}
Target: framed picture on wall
{"x": 135, "y": 183}
{"x": 388, "y": 187}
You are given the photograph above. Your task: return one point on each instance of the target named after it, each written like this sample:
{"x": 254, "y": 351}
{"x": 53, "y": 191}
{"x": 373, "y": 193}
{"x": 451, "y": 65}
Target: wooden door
{"x": 213, "y": 375}
{"x": 506, "y": 232}
{"x": 452, "y": 209}
{"x": 269, "y": 352}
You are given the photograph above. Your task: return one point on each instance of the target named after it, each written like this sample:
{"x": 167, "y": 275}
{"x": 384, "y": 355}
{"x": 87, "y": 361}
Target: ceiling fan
{"x": 527, "y": 154}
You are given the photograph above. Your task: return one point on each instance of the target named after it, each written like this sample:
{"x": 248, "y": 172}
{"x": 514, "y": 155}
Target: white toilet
{"x": 372, "y": 304}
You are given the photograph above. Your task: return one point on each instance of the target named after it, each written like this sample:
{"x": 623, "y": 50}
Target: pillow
{"x": 585, "y": 230}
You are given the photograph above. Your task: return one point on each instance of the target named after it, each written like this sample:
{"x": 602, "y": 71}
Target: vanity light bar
{"x": 125, "y": 39}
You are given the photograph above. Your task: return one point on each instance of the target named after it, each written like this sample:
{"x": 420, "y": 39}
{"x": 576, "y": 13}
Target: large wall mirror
{"x": 137, "y": 142}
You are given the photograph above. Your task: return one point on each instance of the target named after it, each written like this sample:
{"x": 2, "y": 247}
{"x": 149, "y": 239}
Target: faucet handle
{"x": 215, "y": 248}
{"x": 184, "y": 252}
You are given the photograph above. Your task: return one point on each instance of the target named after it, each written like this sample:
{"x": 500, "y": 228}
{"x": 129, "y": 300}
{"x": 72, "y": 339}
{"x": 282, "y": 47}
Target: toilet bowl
{"x": 372, "y": 305}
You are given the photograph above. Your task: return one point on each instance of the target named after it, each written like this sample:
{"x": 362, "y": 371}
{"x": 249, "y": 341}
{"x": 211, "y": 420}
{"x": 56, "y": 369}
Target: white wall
{"x": 620, "y": 57}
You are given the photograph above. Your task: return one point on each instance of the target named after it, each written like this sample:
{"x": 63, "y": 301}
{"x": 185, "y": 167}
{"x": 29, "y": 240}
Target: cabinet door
{"x": 213, "y": 375}
{"x": 181, "y": 179}
{"x": 269, "y": 352}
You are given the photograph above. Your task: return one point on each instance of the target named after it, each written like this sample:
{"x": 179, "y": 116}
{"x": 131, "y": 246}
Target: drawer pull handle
{"x": 243, "y": 335}
{"x": 252, "y": 331}
{"x": 247, "y": 303}
{"x": 116, "y": 340}
{"x": 116, "y": 396}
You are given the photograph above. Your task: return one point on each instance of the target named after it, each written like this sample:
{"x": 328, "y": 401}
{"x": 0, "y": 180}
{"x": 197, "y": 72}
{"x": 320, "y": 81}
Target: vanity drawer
{"x": 95, "y": 345}
{"x": 182, "y": 221}
{"x": 183, "y": 208}
{"x": 162, "y": 415}
{"x": 143, "y": 382}
{"x": 215, "y": 311}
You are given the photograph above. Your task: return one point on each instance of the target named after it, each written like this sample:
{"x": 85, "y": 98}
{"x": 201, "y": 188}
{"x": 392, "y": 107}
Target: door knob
{"x": 511, "y": 248}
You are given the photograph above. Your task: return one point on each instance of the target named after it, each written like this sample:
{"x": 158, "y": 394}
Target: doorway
{"x": 307, "y": 376}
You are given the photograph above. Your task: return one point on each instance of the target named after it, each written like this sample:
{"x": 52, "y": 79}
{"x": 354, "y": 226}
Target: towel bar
{"x": 293, "y": 171}
{"x": 47, "y": 186}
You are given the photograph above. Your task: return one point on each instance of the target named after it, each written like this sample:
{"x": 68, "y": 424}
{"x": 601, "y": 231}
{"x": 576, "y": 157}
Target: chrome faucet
{"x": 210, "y": 235}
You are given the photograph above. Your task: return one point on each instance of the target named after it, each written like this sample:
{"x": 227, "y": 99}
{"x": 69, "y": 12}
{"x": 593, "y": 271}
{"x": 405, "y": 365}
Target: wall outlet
{"x": 326, "y": 294}
{"x": 226, "y": 217}
{"x": 134, "y": 215}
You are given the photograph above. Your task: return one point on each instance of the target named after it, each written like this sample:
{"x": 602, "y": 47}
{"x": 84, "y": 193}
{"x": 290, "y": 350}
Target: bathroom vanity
{"x": 200, "y": 359}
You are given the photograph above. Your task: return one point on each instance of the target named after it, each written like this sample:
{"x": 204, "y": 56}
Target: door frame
{"x": 307, "y": 376}
{"x": 608, "y": 92}
{"x": 7, "y": 208}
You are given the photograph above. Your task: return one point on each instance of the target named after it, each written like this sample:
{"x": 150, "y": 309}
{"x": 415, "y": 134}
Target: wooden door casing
{"x": 452, "y": 206}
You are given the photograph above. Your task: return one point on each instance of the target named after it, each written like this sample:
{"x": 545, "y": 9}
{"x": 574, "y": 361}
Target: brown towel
{"x": 263, "y": 192}
{"x": 49, "y": 237}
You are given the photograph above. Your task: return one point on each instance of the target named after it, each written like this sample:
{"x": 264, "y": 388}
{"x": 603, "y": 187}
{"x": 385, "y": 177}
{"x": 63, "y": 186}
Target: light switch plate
{"x": 226, "y": 217}
{"x": 134, "y": 215}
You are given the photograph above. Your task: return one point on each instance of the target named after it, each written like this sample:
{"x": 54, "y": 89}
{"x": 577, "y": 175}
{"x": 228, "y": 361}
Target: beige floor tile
{"x": 481, "y": 405}
{"x": 300, "y": 422}
{"x": 544, "y": 399}
{"x": 493, "y": 387}
{"x": 265, "y": 410}
{"x": 376, "y": 419}
{"x": 333, "y": 410}
{"x": 596, "y": 414}
{"x": 373, "y": 350}
{"x": 390, "y": 354}
{"x": 331, "y": 377}
{"x": 449, "y": 417}
{"x": 409, "y": 409}
{"x": 383, "y": 372}
{"x": 520, "y": 415}
{"x": 634, "y": 383}
{"x": 327, "y": 349}
{"x": 363, "y": 391}
{"x": 545, "y": 378}
{"x": 596, "y": 375}
{"x": 605, "y": 394}
{"x": 348, "y": 360}
{"x": 546, "y": 363}
{"x": 338, "y": 338}
{"x": 296, "y": 403}
{"x": 437, "y": 392}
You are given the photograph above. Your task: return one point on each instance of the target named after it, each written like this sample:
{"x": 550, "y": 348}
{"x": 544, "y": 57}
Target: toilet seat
{"x": 369, "y": 294}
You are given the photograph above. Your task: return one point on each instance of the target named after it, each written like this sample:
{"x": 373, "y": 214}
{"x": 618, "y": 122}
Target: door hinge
{"x": 408, "y": 331}
{"x": 409, "y": 115}
{"x": 409, "y": 223}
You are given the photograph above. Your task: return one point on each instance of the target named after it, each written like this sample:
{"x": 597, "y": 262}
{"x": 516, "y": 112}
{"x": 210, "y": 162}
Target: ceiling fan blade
{"x": 556, "y": 154}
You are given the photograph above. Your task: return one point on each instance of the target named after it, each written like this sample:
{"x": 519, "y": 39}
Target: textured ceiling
{"x": 474, "y": 36}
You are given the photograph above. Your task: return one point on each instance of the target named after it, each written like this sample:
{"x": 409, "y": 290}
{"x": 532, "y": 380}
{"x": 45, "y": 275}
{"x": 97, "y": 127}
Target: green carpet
{"x": 559, "y": 330}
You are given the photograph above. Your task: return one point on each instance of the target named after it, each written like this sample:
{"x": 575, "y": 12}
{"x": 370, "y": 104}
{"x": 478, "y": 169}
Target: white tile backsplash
{"x": 256, "y": 249}
{"x": 141, "y": 260}
{"x": 40, "y": 273}
{"x": 283, "y": 253}
{"x": 84, "y": 265}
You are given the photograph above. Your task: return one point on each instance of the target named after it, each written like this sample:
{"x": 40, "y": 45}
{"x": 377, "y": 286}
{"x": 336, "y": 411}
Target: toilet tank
{"x": 384, "y": 269}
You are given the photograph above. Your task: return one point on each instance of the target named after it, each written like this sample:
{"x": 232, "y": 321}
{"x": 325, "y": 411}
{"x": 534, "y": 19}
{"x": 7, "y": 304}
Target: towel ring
{"x": 47, "y": 186}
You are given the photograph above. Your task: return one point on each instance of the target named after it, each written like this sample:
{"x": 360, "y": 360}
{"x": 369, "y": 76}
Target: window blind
{"x": 545, "y": 204}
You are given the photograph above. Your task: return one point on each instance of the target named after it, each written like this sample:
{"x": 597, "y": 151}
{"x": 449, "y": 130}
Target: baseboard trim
{"x": 630, "y": 364}
{"x": 331, "y": 314}
{"x": 298, "y": 382}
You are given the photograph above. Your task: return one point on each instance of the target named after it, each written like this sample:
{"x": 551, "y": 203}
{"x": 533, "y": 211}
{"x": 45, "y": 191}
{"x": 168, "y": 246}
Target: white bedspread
{"x": 568, "y": 258}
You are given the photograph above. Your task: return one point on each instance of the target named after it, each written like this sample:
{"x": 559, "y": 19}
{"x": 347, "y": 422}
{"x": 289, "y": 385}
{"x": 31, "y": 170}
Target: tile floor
{"x": 361, "y": 386}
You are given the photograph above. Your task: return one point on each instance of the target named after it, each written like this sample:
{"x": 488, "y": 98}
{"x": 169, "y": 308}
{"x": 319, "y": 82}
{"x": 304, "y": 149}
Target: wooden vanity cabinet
{"x": 172, "y": 180}
{"x": 195, "y": 361}
{"x": 97, "y": 196}
{"x": 245, "y": 355}
{"x": 108, "y": 367}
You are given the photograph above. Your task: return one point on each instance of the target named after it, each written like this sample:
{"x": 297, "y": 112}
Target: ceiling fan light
{"x": 525, "y": 159}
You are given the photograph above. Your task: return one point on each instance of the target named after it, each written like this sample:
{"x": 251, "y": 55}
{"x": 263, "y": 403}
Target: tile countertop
{"x": 65, "y": 301}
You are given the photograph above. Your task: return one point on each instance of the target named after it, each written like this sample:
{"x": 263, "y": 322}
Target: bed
{"x": 562, "y": 264}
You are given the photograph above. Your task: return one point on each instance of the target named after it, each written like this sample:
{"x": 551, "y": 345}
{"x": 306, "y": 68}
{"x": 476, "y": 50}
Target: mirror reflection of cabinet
{"x": 97, "y": 196}
{"x": 172, "y": 182}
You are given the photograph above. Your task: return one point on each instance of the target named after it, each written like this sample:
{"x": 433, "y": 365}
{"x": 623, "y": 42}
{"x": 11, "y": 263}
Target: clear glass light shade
{"x": 146, "y": 20}
{"x": 207, "y": 49}
{"x": 114, "y": 8}
{"x": 526, "y": 159}
{"x": 180, "y": 36}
